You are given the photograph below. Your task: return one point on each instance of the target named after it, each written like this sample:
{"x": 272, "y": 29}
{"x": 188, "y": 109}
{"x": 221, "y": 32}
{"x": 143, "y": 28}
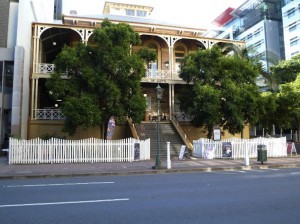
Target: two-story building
{"x": 171, "y": 43}
{"x": 42, "y": 28}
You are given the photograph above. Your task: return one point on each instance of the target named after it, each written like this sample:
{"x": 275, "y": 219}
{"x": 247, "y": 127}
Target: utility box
{"x": 262, "y": 153}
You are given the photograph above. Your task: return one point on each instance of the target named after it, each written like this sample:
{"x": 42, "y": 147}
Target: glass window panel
{"x": 141, "y": 13}
{"x": 1, "y": 74}
{"x": 8, "y": 77}
{"x": 293, "y": 28}
{"x": 130, "y": 12}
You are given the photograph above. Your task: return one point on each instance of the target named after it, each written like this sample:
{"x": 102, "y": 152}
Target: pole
{"x": 158, "y": 162}
{"x": 168, "y": 156}
{"x": 246, "y": 158}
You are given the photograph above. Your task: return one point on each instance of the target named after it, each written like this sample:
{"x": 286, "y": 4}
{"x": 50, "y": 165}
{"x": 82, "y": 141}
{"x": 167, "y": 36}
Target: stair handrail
{"x": 182, "y": 134}
{"x": 133, "y": 129}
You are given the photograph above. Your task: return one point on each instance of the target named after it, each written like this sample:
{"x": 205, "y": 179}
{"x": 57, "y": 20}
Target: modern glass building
{"x": 291, "y": 27}
{"x": 8, "y": 13}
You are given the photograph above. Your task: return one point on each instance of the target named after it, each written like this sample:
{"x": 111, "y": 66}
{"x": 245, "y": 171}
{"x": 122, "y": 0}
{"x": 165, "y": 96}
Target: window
{"x": 1, "y": 73}
{"x": 141, "y": 13}
{"x": 292, "y": 27}
{"x": 179, "y": 55}
{"x": 261, "y": 56}
{"x": 295, "y": 53}
{"x": 130, "y": 12}
{"x": 257, "y": 32}
{"x": 249, "y": 36}
{"x": 290, "y": 13}
{"x": 257, "y": 45}
{"x": 8, "y": 76}
{"x": 287, "y": 1}
{"x": 294, "y": 41}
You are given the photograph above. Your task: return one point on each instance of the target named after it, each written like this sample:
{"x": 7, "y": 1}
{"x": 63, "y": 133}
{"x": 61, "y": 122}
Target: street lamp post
{"x": 159, "y": 95}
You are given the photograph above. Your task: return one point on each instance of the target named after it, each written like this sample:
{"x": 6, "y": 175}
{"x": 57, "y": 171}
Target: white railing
{"x": 160, "y": 76}
{"x": 276, "y": 147}
{"x": 48, "y": 114}
{"x": 150, "y": 76}
{"x": 55, "y": 150}
{"x": 44, "y": 68}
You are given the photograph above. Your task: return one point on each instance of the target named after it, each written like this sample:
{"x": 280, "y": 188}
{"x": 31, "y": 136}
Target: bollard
{"x": 246, "y": 158}
{"x": 168, "y": 156}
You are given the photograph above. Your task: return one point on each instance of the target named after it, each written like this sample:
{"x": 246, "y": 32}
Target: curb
{"x": 158, "y": 171}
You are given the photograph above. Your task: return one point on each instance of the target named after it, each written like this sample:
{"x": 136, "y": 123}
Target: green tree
{"x": 289, "y": 104}
{"x": 286, "y": 71}
{"x": 223, "y": 93}
{"x": 267, "y": 115}
{"x": 103, "y": 78}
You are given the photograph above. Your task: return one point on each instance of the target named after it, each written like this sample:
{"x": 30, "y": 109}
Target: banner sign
{"x": 209, "y": 152}
{"x": 217, "y": 134}
{"x": 136, "y": 151}
{"x": 226, "y": 150}
{"x": 110, "y": 128}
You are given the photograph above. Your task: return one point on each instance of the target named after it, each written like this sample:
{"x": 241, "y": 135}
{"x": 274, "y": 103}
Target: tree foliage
{"x": 268, "y": 109}
{"x": 103, "y": 78}
{"x": 289, "y": 104}
{"x": 224, "y": 91}
{"x": 286, "y": 70}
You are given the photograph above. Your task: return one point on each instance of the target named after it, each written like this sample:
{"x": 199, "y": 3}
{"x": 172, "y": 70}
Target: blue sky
{"x": 195, "y": 13}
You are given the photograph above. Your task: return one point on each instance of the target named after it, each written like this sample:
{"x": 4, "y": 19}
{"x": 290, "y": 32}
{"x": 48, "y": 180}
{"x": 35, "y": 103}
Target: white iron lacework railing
{"x": 54, "y": 150}
{"x": 45, "y": 68}
{"x": 48, "y": 114}
{"x": 161, "y": 75}
{"x": 239, "y": 148}
{"x": 151, "y": 74}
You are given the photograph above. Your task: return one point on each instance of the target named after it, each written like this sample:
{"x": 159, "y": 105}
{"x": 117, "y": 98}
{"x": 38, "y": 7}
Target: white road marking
{"x": 63, "y": 184}
{"x": 295, "y": 173}
{"x": 65, "y": 203}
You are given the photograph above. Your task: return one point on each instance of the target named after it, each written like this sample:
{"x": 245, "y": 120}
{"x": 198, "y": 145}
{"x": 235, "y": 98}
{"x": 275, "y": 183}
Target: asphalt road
{"x": 254, "y": 196}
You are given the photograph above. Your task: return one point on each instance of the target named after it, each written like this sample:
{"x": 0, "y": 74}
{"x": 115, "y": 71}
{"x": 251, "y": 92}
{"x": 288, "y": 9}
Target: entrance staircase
{"x": 167, "y": 134}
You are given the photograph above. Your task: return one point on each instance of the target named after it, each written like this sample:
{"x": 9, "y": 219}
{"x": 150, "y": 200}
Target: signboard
{"x": 110, "y": 128}
{"x": 136, "y": 151}
{"x": 291, "y": 148}
{"x": 209, "y": 152}
{"x": 226, "y": 150}
{"x": 181, "y": 153}
{"x": 217, "y": 134}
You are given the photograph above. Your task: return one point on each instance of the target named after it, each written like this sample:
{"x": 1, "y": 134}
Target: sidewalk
{"x": 139, "y": 167}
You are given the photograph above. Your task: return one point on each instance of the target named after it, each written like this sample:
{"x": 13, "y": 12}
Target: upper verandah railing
{"x": 150, "y": 76}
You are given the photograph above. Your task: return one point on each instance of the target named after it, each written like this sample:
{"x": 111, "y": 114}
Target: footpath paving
{"x": 139, "y": 167}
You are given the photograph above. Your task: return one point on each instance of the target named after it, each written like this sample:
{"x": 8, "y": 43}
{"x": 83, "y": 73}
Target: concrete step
{"x": 166, "y": 134}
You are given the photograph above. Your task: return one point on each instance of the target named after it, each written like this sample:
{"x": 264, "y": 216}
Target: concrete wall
{"x": 12, "y": 24}
{"x": 4, "y": 14}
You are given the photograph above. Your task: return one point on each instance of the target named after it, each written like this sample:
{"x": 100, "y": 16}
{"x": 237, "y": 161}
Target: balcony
{"x": 161, "y": 76}
{"x": 48, "y": 114}
{"x": 43, "y": 70}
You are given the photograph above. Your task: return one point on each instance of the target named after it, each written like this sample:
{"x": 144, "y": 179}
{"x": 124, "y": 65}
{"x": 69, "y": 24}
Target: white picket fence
{"x": 91, "y": 150}
{"x": 276, "y": 147}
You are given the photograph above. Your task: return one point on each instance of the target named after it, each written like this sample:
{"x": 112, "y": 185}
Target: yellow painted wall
{"x": 54, "y": 129}
{"x": 194, "y": 133}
